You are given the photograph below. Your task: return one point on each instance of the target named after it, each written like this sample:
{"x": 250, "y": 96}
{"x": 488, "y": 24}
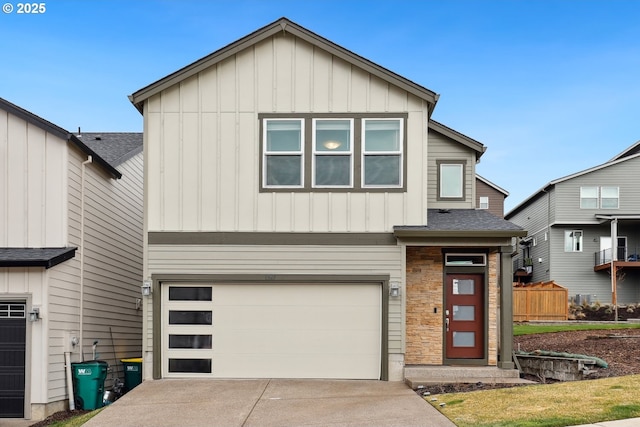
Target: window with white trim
{"x": 573, "y": 241}
{"x": 333, "y": 152}
{"x": 609, "y": 197}
{"x": 451, "y": 180}
{"x": 283, "y": 153}
{"x": 588, "y": 197}
{"x": 484, "y": 202}
{"x": 382, "y": 153}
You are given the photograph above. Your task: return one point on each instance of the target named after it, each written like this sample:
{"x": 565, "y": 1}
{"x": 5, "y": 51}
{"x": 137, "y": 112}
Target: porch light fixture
{"x": 146, "y": 288}
{"x": 34, "y": 314}
{"x": 394, "y": 289}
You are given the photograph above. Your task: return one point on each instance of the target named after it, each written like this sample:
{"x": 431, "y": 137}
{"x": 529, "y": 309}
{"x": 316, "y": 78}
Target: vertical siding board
{"x": 266, "y": 79}
{"x": 17, "y": 170}
{"x": 190, "y": 194}
{"x": 209, "y": 90}
{"x": 284, "y": 48}
{"x": 152, "y": 141}
{"x": 303, "y": 74}
{"x": 379, "y": 93}
{"x": 55, "y": 194}
{"x": 210, "y": 174}
{"x": 4, "y": 177}
{"x": 36, "y": 152}
{"x": 171, "y": 171}
{"x": 228, "y": 172}
{"x": 248, "y": 154}
{"x": 359, "y": 88}
{"x": 322, "y": 80}
{"x": 246, "y": 78}
{"x": 340, "y": 89}
{"x": 227, "y": 85}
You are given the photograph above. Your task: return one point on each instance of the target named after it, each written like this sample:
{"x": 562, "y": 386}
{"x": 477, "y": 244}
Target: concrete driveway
{"x": 264, "y": 402}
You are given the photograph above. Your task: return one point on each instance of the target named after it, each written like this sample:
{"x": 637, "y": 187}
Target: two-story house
{"x": 305, "y": 218}
{"x": 581, "y": 227}
{"x": 70, "y": 257}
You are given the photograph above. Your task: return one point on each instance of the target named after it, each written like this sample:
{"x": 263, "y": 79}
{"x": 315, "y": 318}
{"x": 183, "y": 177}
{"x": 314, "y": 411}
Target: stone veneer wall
{"x": 424, "y": 293}
{"x": 424, "y": 328}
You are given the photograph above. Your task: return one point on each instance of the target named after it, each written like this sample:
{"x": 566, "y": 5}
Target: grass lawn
{"x": 547, "y": 405}
{"x": 532, "y": 328}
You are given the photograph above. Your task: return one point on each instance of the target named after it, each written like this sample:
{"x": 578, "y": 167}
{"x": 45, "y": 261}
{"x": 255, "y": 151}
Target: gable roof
{"x": 61, "y": 133}
{"x": 616, "y": 160}
{"x": 115, "y": 147}
{"x": 35, "y": 257}
{"x": 634, "y": 149}
{"x": 461, "y": 223}
{"x": 286, "y": 26}
{"x": 492, "y": 185}
{"x": 458, "y": 137}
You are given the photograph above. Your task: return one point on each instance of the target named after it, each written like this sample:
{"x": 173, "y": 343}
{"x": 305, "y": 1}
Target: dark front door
{"x": 13, "y": 328}
{"x": 464, "y": 316}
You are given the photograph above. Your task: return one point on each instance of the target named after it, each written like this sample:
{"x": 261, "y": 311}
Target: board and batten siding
{"x": 32, "y": 187}
{"x": 202, "y": 145}
{"x": 441, "y": 148}
{"x": 281, "y": 260}
{"x": 112, "y": 269}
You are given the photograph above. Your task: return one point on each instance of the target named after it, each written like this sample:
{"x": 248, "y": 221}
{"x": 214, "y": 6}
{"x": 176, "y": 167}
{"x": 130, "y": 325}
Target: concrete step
{"x": 425, "y": 375}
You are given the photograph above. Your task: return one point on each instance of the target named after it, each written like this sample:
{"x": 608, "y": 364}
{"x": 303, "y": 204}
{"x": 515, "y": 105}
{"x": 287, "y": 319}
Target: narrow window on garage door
{"x": 13, "y": 327}
{"x": 188, "y": 331}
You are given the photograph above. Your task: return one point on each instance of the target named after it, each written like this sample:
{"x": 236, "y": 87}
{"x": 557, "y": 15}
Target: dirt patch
{"x": 619, "y": 348}
{"x": 58, "y": 416}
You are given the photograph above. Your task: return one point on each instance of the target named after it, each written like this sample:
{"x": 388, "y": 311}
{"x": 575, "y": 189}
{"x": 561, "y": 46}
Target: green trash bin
{"x": 132, "y": 372}
{"x": 88, "y": 383}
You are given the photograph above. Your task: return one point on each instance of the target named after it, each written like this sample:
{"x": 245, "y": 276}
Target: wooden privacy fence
{"x": 540, "y": 301}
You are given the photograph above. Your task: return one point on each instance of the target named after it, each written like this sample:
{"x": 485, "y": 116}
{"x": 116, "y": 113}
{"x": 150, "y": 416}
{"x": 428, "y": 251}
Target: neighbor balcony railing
{"x": 625, "y": 253}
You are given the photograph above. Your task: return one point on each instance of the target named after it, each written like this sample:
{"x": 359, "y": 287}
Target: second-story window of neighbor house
{"x": 609, "y": 197}
{"x": 573, "y": 241}
{"x": 451, "y": 180}
{"x": 588, "y": 197}
{"x": 484, "y": 202}
{"x": 283, "y": 153}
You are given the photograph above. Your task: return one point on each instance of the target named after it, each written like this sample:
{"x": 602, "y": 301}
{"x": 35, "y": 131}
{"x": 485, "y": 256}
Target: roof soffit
{"x": 286, "y": 26}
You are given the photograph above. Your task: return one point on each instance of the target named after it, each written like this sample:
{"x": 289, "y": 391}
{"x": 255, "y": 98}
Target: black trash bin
{"x": 88, "y": 383}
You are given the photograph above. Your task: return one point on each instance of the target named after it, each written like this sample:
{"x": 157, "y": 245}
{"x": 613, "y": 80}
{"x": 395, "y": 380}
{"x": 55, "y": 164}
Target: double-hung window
{"x": 382, "y": 153}
{"x": 588, "y": 197}
{"x": 283, "y": 153}
{"x": 333, "y": 152}
{"x": 609, "y": 197}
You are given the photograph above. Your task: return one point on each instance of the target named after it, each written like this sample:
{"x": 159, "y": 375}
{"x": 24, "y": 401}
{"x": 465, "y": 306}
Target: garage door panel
{"x": 303, "y": 330}
{"x": 292, "y": 318}
{"x": 295, "y": 342}
{"x": 291, "y": 366}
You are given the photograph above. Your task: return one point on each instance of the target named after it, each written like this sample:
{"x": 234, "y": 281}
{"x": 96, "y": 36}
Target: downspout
{"x": 82, "y": 191}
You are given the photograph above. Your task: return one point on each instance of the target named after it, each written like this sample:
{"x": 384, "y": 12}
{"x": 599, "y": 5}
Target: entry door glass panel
{"x": 464, "y": 316}
{"x": 187, "y": 337}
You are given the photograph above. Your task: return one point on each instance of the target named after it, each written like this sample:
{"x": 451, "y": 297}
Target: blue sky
{"x": 550, "y": 87}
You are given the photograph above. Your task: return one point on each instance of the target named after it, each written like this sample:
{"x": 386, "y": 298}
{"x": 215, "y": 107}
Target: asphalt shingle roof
{"x": 35, "y": 257}
{"x": 468, "y": 220}
{"x": 114, "y": 147}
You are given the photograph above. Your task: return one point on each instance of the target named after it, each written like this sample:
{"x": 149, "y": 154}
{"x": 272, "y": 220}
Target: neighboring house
{"x": 575, "y": 221}
{"x": 70, "y": 250}
{"x": 306, "y": 219}
{"x": 489, "y": 196}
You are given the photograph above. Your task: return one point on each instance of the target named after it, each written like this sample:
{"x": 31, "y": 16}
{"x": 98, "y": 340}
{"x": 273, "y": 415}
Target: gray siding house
{"x": 305, "y": 218}
{"x": 583, "y": 225}
{"x": 70, "y": 251}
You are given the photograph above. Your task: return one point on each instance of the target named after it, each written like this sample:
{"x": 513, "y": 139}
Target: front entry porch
{"x": 416, "y": 376}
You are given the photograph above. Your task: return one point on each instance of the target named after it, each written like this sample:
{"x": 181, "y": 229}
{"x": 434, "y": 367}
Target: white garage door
{"x": 273, "y": 331}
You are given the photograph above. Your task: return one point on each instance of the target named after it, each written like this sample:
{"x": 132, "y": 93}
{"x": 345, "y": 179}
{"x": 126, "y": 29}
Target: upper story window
{"x": 594, "y": 197}
{"x": 333, "y": 152}
{"x": 451, "y": 180}
{"x": 484, "y": 202}
{"x": 609, "y": 197}
{"x": 283, "y": 153}
{"x": 573, "y": 241}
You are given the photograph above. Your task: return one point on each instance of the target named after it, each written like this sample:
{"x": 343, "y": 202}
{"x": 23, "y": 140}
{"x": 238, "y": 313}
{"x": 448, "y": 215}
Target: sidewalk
{"x": 631, "y": 422}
